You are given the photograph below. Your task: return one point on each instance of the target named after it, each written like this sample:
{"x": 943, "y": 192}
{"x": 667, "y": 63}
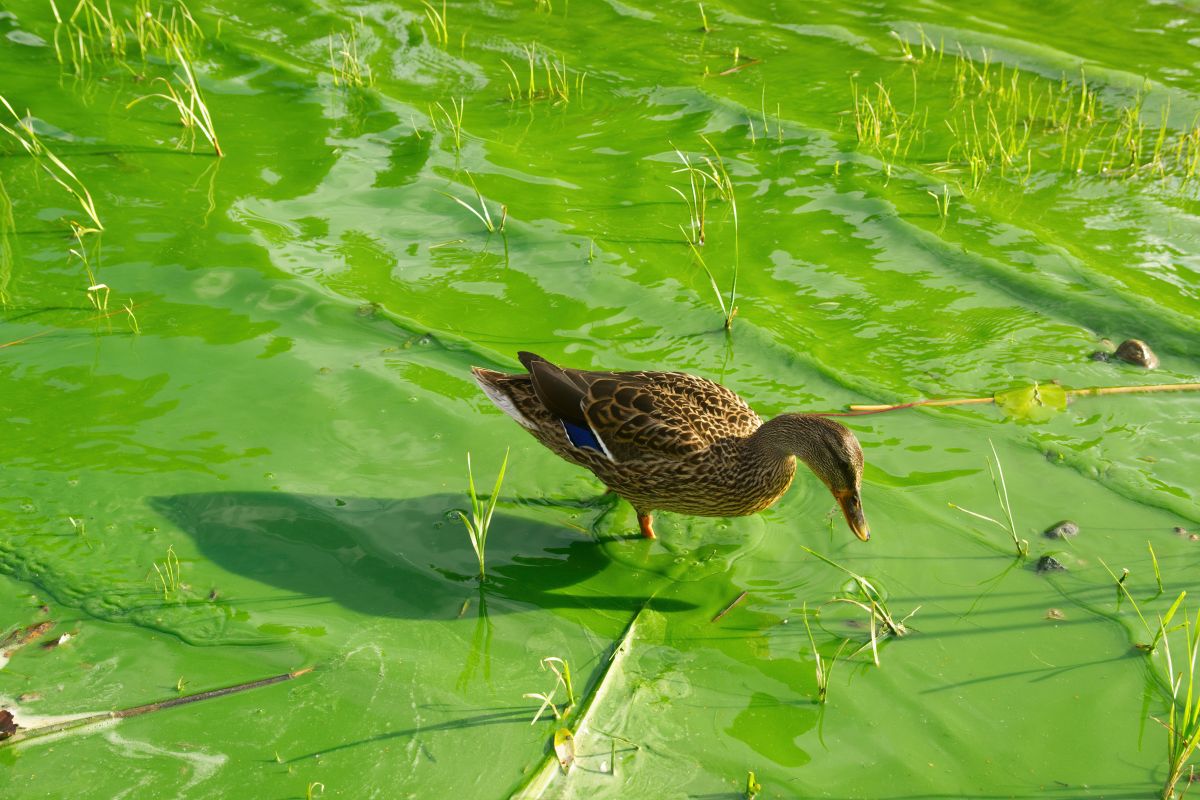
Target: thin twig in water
{"x": 24, "y": 734}
{"x": 961, "y": 401}
{"x": 730, "y": 607}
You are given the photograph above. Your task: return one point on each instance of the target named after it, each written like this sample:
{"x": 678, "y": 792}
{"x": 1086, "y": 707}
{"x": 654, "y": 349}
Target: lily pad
{"x": 1036, "y": 403}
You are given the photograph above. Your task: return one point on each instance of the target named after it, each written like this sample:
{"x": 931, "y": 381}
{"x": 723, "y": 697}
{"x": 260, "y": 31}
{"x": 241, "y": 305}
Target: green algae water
{"x": 256, "y": 468}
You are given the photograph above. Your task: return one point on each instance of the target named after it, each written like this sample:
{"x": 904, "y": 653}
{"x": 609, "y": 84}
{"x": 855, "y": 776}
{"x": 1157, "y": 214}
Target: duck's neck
{"x": 790, "y": 435}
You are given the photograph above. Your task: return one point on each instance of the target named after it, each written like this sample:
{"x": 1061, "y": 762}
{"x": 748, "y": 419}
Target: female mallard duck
{"x": 668, "y": 441}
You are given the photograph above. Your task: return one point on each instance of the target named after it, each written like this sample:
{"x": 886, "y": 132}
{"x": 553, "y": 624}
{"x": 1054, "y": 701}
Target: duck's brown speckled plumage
{"x": 677, "y": 442}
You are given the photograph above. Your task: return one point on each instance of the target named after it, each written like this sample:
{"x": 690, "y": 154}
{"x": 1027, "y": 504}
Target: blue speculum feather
{"x": 582, "y": 436}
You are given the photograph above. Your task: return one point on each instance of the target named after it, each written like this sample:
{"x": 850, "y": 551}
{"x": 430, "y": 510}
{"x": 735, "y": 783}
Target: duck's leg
{"x": 647, "y": 525}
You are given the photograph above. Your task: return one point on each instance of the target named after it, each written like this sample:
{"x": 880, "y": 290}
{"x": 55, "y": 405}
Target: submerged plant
{"x": 1009, "y": 525}
{"x": 8, "y": 230}
{"x": 943, "y": 203}
{"x": 24, "y": 133}
{"x": 822, "y": 666}
{"x": 132, "y": 318}
{"x": 1183, "y": 719}
{"x": 481, "y": 513}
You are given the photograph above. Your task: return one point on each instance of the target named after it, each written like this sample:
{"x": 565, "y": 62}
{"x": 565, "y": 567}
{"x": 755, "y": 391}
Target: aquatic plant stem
{"x": 964, "y": 401}
{"x": 25, "y": 734}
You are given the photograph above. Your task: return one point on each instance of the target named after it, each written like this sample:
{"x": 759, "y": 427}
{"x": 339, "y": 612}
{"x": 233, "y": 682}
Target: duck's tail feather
{"x": 492, "y": 384}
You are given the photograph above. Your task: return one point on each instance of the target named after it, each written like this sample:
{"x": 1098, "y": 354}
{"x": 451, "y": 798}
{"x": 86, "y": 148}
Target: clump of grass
{"x": 482, "y": 213}
{"x": 880, "y": 125}
{"x": 185, "y": 96}
{"x": 557, "y": 84}
{"x": 89, "y": 31}
{"x": 714, "y": 176}
{"x": 481, "y": 513}
{"x": 152, "y": 31}
{"x": 1009, "y": 525}
{"x": 1181, "y": 686}
{"x": 23, "y": 132}
{"x": 453, "y": 117}
{"x": 437, "y": 21}
{"x": 1155, "y": 632}
{"x": 168, "y": 574}
{"x": 906, "y": 49}
{"x": 762, "y": 108}
{"x": 1003, "y": 122}
{"x": 348, "y": 67}
{"x": 1183, "y": 719}
{"x": 562, "y": 675}
{"x": 94, "y": 33}
{"x": 873, "y": 602}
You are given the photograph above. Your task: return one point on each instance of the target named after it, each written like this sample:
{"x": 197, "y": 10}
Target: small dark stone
{"x": 1049, "y": 564}
{"x": 1179, "y": 530}
{"x": 1100, "y": 355}
{"x": 1061, "y": 530}
{"x": 1135, "y": 351}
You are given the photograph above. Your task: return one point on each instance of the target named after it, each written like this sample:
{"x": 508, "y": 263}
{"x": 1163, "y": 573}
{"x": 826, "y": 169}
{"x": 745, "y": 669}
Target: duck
{"x": 676, "y": 442}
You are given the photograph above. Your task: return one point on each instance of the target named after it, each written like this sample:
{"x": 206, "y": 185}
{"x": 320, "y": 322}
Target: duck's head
{"x": 837, "y": 459}
{"x": 834, "y": 455}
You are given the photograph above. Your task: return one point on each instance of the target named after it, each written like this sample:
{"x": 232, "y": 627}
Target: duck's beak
{"x": 852, "y": 507}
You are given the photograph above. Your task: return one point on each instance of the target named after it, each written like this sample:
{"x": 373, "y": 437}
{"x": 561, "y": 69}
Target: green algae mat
{"x": 237, "y": 406}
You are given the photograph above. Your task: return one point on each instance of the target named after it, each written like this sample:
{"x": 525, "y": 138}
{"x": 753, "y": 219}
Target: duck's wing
{"x": 634, "y": 415}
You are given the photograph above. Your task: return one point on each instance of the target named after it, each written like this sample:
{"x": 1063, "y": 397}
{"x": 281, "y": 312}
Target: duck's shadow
{"x": 408, "y": 557}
